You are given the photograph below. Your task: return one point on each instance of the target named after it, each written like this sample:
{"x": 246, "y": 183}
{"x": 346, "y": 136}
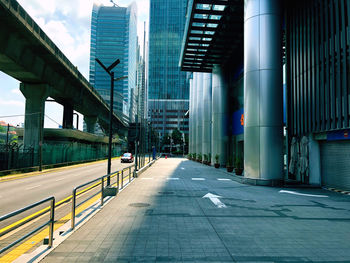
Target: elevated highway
{"x": 28, "y": 55}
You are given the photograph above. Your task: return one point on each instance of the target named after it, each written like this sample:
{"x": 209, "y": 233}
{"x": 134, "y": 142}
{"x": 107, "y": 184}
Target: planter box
{"x": 238, "y": 171}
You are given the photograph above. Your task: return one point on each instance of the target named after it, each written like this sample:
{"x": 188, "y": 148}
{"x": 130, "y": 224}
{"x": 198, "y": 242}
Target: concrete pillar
{"x": 36, "y": 95}
{"x": 206, "y": 99}
{"x": 219, "y": 115}
{"x": 199, "y": 119}
{"x": 263, "y": 90}
{"x": 190, "y": 146}
{"x": 67, "y": 116}
{"x": 194, "y": 115}
{"x": 90, "y": 123}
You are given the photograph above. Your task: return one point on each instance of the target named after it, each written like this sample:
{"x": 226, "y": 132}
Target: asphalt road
{"x": 19, "y": 193}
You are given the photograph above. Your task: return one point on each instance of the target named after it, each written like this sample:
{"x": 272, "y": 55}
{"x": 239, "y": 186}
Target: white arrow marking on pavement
{"x": 215, "y": 199}
{"x": 198, "y": 179}
{"x": 296, "y": 193}
{"x": 224, "y": 179}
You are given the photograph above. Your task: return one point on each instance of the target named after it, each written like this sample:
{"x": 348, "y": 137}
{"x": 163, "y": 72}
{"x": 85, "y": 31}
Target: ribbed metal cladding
{"x": 190, "y": 146}
{"x": 194, "y": 115}
{"x": 199, "y": 123}
{"x": 219, "y": 115}
{"x": 318, "y": 65}
{"x": 207, "y": 105}
{"x": 263, "y": 96}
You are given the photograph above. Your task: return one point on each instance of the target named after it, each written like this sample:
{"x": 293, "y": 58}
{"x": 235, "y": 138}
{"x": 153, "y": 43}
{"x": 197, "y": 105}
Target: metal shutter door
{"x": 335, "y": 164}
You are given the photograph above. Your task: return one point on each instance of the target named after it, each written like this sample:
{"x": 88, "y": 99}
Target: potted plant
{"x": 194, "y": 155}
{"x": 209, "y": 158}
{"x": 199, "y": 157}
{"x": 229, "y": 164}
{"x": 239, "y": 166}
{"x": 189, "y": 156}
{"x": 205, "y": 159}
{"x": 217, "y": 164}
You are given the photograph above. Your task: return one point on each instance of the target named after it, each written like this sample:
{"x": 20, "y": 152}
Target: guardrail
{"x": 99, "y": 180}
{"x": 51, "y": 222}
{"x": 120, "y": 175}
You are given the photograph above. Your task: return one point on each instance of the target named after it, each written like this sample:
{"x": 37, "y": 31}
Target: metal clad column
{"x": 206, "y": 146}
{"x": 194, "y": 116}
{"x": 190, "y": 149}
{"x": 263, "y": 93}
{"x": 199, "y": 118}
{"x": 219, "y": 112}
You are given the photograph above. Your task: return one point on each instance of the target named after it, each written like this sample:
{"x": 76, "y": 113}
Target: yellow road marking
{"x": 25, "y": 175}
{"x": 46, "y": 209}
{"x": 28, "y": 244}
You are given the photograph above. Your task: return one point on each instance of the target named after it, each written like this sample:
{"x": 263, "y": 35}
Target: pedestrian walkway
{"x": 182, "y": 211}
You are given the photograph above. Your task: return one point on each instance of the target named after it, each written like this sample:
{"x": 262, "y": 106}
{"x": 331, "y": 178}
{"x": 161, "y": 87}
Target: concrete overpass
{"x": 28, "y": 55}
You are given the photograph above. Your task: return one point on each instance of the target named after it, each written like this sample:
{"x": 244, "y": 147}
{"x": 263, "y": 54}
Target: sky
{"x": 67, "y": 23}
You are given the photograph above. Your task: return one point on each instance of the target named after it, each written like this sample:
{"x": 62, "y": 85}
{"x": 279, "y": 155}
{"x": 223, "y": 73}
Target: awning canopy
{"x": 213, "y": 32}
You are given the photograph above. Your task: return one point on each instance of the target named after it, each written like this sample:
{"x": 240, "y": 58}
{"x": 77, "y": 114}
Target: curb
{"x": 337, "y": 190}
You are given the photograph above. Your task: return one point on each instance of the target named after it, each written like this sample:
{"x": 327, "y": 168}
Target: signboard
{"x": 338, "y": 135}
{"x": 238, "y": 122}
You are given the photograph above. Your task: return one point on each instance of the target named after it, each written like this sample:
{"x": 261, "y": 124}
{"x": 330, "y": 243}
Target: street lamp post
{"x": 111, "y": 74}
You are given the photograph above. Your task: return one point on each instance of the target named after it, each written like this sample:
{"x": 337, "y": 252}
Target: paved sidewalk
{"x": 163, "y": 217}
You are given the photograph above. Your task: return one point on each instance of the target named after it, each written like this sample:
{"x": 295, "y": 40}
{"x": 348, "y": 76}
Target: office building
{"x": 114, "y": 36}
{"x": 168, "y": 88}
{"x": 275, "y": 75}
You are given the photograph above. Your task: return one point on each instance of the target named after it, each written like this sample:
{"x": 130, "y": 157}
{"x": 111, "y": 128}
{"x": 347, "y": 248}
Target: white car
{"x": 127, "y": 158}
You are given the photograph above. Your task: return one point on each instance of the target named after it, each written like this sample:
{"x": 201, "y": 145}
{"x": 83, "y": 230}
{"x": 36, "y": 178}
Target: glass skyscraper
{"x": 168, "y": 89}
{"x": 114, "y": 36}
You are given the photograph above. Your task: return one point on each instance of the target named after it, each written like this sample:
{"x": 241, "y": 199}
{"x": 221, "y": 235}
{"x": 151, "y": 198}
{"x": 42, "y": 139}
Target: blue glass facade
{"x": 114, "y": 36}
{"x": 168, "y": 90}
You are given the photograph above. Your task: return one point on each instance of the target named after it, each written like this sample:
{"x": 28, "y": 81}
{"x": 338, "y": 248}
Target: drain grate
{"x": 139, "y": 205}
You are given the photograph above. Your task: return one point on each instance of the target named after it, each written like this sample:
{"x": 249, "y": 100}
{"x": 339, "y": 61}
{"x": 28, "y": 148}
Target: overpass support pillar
{"x": 90, "y": 123}
{"x": 67, "y": 116}
{"x": 263, "y": 90}
{"x": 36, "y": 95}
{"x": 207, "y": 105}
{"x": 219, "y": 115}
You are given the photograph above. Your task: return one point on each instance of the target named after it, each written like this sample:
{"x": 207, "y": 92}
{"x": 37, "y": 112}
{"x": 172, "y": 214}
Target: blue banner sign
{"x": 338, "y": 135}
{"x": 238, "y": 122}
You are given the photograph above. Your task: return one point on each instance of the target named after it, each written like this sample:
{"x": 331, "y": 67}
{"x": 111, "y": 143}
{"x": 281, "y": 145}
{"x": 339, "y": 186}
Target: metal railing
{"x": 98, "y": 181}
{"x": 51, "y": 222}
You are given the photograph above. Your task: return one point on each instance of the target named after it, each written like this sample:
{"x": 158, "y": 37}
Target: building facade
{"x": 168, "y": 88}
{"x": 114, "y": 36}
{"x": 279, "y": 86}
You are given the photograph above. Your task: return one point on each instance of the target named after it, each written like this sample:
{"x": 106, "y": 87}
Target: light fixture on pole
{"x": 111, "y": 74}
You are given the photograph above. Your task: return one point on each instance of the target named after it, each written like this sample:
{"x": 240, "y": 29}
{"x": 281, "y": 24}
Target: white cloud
{"x": 39, "y": 8}
{"x": 16, "y": 91}
{"x": 15, "y": 103}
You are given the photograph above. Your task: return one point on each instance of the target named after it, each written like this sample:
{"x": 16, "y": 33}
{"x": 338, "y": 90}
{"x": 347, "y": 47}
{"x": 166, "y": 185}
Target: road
{"x": 19, "y": 193}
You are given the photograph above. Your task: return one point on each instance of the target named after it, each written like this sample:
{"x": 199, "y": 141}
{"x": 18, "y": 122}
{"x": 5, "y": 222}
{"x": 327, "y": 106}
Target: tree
{"x": 166, "y": 139}
{"x": 177, "y": 137}
{"x": 3, "y": 129}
